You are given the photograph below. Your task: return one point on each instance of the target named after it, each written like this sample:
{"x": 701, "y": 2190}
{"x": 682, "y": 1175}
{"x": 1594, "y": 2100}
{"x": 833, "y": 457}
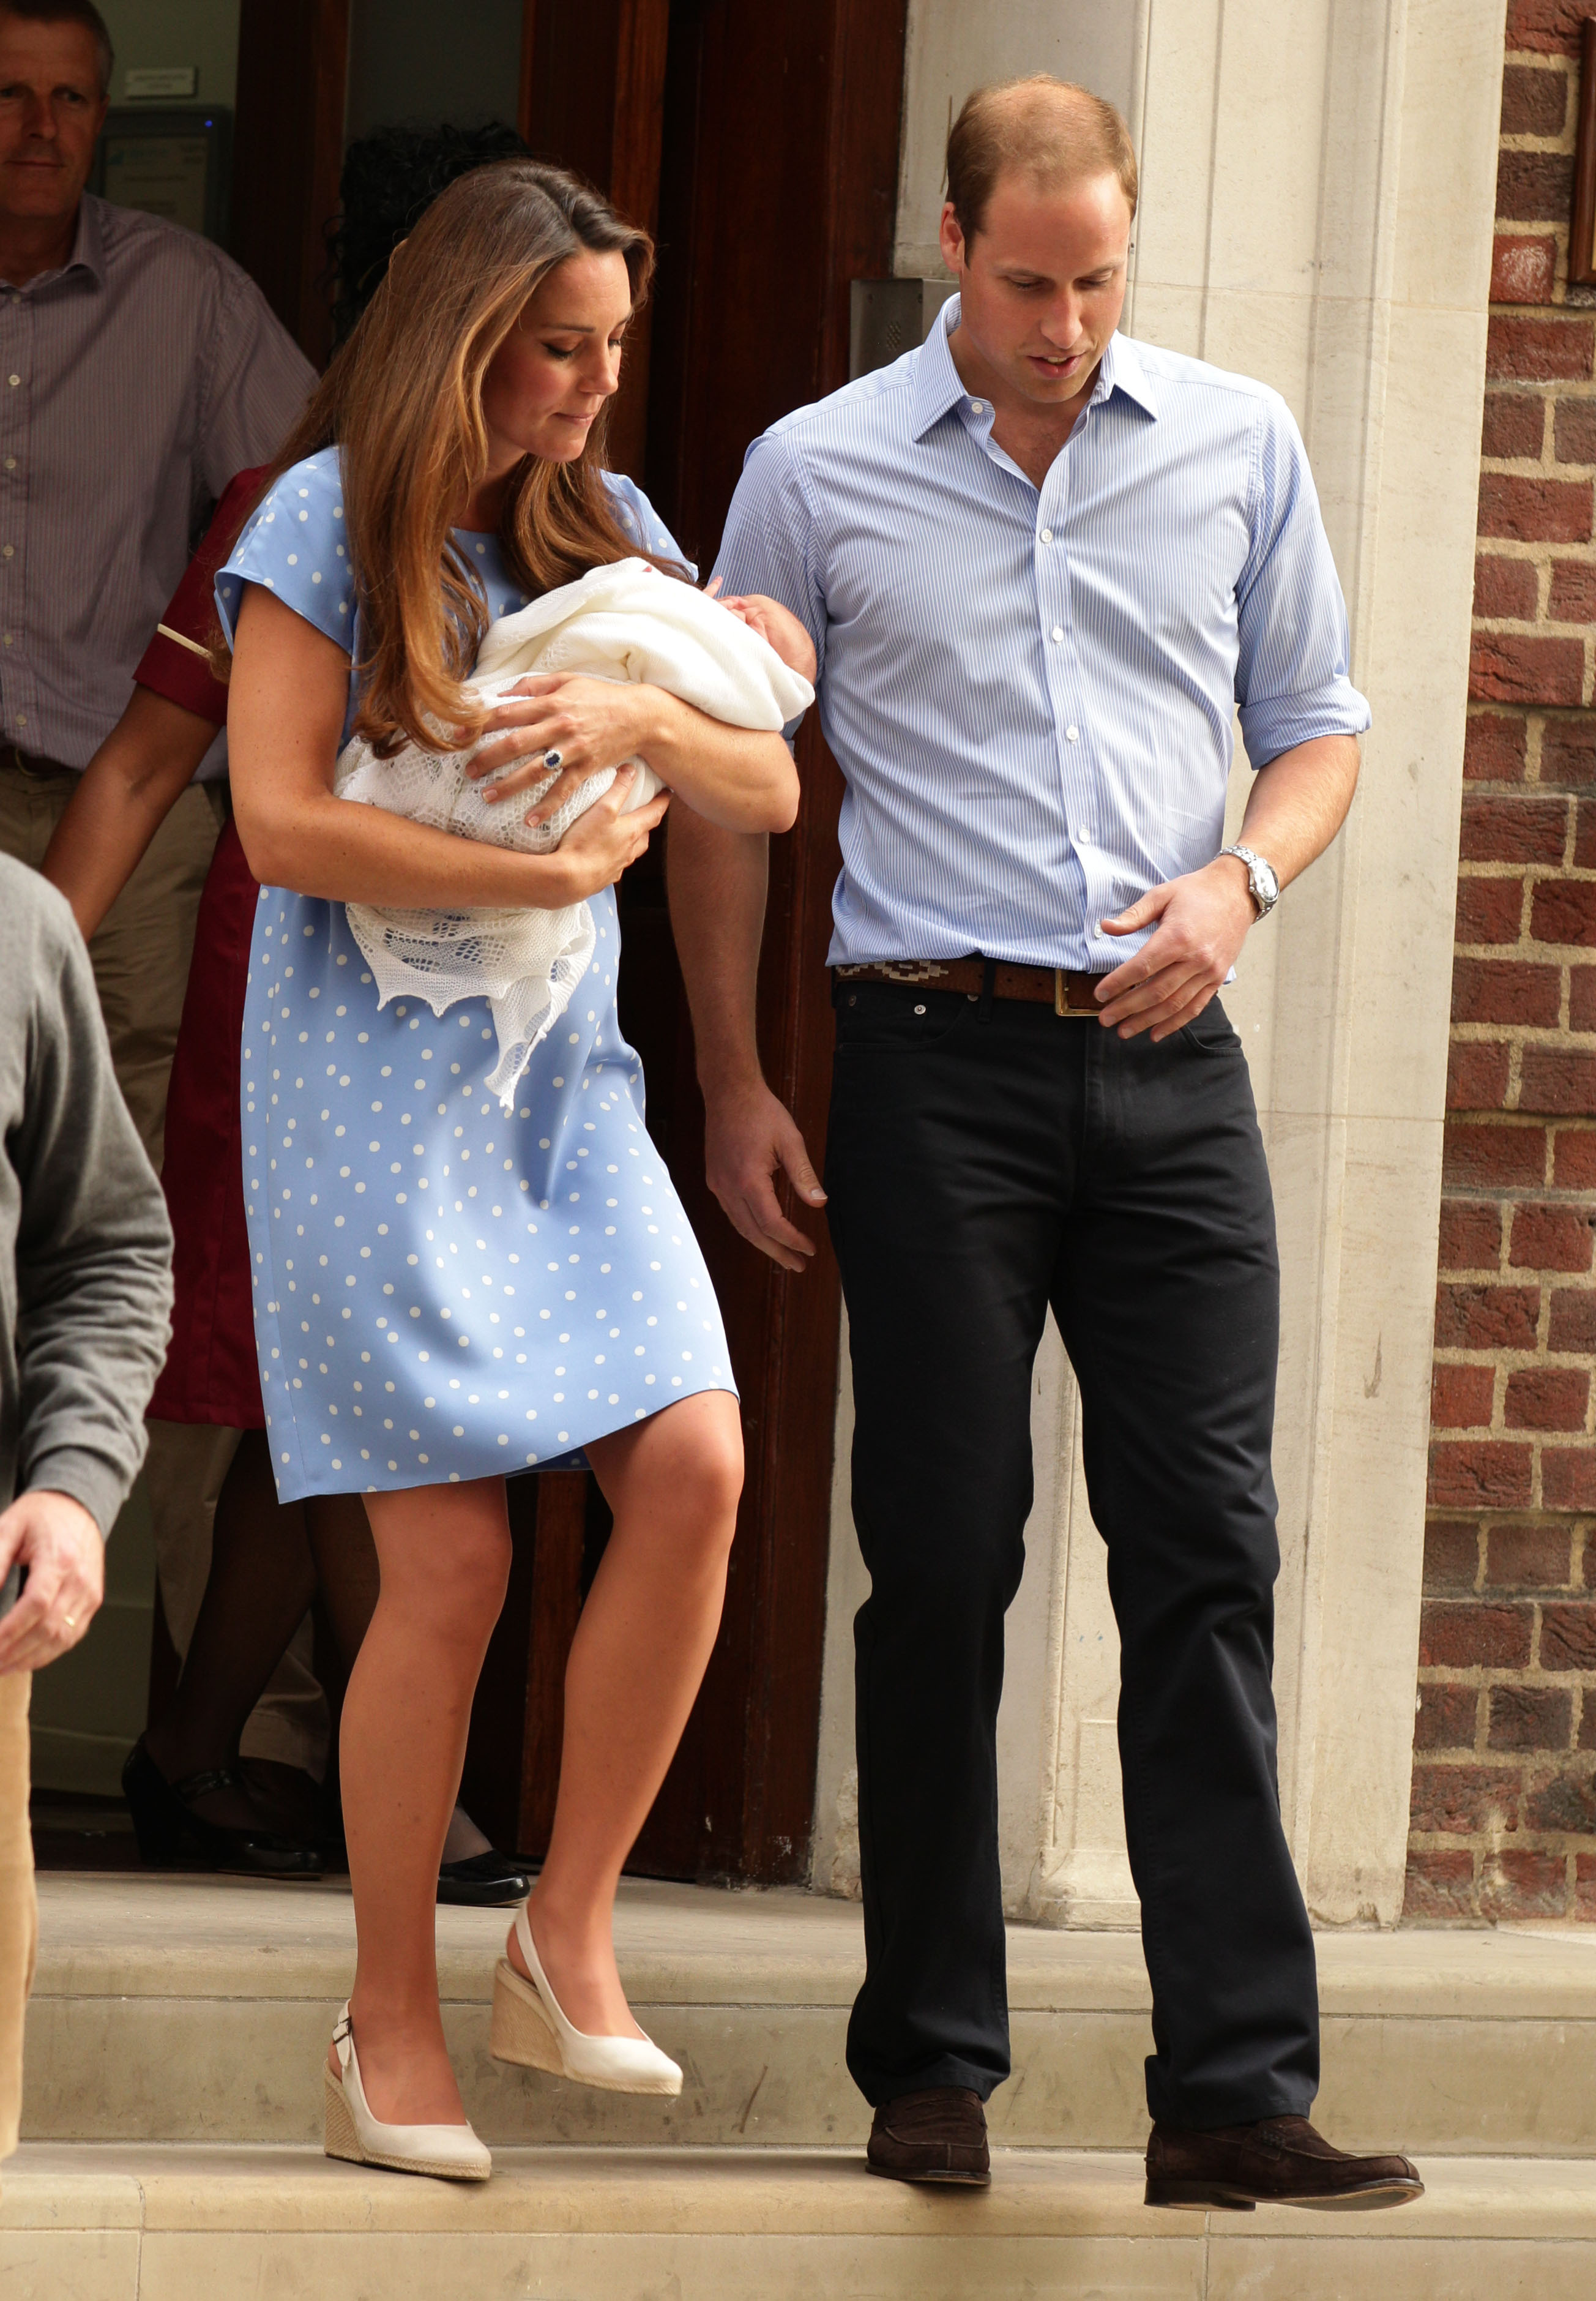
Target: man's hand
{"x": 749, "y": 1138}
{"x": 1203, "y": 920}
{"x": 61, "y": 1546}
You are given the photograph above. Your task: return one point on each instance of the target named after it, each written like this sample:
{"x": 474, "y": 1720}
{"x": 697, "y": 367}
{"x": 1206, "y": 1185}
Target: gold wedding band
{"x": 70, "y": 1620}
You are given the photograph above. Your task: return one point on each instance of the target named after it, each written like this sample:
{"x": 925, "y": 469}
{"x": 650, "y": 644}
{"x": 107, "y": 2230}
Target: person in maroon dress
{"x": 269, "y": 1560}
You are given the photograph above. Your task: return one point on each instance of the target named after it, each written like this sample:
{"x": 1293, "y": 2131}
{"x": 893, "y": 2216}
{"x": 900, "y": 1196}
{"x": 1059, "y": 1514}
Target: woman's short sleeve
{"x": 638, "y": 518}
{"x": 295, "y": 546}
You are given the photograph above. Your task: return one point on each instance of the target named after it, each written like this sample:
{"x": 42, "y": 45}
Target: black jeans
{"x": 986, "y": 1160}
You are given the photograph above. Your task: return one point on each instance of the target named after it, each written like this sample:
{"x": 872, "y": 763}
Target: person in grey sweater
{"x": 85, "y": 1294}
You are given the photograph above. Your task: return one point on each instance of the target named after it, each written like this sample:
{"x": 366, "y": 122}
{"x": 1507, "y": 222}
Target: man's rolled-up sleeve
{"x": 769, "y": 542}
{"x": 93, "y": 1249}
{"x": 1293, "y": 677}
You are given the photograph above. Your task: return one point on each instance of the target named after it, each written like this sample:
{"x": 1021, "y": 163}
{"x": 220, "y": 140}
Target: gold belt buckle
{"x": 1058, "y": 1006}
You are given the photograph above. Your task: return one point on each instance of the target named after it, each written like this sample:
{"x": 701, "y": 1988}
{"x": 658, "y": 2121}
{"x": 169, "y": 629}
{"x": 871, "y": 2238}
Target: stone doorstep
{"x": 114, "y": 2223}
{"x": 182, "y": 2009}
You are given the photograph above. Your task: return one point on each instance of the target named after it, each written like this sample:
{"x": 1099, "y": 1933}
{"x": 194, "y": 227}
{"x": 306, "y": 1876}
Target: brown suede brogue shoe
{"x": 1281, "y": 2161}
{"x": 936, "y": 2136}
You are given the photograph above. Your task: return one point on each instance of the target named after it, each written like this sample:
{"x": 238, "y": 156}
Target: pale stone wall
{"x": 1318, "y": 204}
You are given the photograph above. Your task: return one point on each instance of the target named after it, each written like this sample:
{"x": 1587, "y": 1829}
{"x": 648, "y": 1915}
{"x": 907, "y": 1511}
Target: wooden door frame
{"x": 287, "y": 155}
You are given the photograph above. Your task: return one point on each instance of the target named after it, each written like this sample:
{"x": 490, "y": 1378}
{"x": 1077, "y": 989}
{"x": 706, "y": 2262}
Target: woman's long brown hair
{"x": 403, "y": 404}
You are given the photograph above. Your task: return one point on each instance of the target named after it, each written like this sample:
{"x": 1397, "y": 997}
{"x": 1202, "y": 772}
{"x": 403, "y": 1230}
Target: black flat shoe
{"x": 165, "y": 1824}
{"x": 484, "y": 1881}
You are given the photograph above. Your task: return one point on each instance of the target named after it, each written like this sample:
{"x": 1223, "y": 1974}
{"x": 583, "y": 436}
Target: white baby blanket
{"x": 622, "y": 621}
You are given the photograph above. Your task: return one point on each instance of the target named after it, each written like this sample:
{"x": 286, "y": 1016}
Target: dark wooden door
{"x": 772, "y": 134}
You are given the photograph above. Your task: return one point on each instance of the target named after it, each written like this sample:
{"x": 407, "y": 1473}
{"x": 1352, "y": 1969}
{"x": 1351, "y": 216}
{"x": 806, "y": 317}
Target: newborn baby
{"x": 626, "y": 620}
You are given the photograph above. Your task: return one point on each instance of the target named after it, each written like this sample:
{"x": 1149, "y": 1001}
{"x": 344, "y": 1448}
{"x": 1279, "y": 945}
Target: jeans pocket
{"x": 892, "y": 1018}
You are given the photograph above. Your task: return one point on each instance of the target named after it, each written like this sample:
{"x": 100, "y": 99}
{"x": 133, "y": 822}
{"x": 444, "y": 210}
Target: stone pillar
{"x": 1316, "y": 211}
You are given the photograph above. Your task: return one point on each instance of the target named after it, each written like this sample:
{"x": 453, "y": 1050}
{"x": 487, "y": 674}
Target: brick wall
{"x": 1504, "y": 1790}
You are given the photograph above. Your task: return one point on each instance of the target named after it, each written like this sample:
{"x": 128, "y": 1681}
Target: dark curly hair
{"x": 389, "y": 178}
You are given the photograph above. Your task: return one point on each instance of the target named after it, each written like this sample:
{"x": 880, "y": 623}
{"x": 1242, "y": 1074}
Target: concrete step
{"x": 154, "y": 2223}
{"x": 172, "y": 2009}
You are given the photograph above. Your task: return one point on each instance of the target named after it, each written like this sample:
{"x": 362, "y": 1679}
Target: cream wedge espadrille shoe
{"x": 450, "y": 2152}
{"x": 529, "y": 2029}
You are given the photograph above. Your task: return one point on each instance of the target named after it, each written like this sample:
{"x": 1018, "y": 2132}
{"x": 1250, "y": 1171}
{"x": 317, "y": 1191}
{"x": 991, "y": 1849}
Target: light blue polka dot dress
{"x": 443, "y": 1292}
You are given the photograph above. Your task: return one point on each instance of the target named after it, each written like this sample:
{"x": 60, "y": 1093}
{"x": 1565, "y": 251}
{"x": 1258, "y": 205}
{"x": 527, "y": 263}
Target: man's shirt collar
{"x": 937, "y": 385}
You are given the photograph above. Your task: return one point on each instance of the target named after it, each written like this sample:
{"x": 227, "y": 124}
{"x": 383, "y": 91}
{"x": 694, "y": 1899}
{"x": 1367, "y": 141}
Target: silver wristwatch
{"x": 1262, "y": 884}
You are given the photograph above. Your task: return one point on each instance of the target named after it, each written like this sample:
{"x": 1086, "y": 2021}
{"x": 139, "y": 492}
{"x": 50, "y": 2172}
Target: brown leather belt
{"x": 1068, "y": 992}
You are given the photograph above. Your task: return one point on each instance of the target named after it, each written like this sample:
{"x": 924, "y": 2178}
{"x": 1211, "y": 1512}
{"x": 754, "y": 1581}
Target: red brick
{"x": 1461, "y": 1800}
{"x": 1515, "y": 427}
{"x": 1529, "y": 1557}
{"x": 1508, "y": 589}
{"x": 1479, "y": 1473}
{"x": 1524, "y": 1884}
{"x": 1476, "y": 1077}
{"x": 1489, "y": 910}
{"x": 1553, "y": 1080}
{"x": 1572, "y": 599}
{"x": 1549, "y": 1236}
{"x": 1539, "y": 351}
{"x": 1461, "y": 1398}
{"x": 1582, "y": 997}
{"x": 1547, "y": 1398}
{"x": 1585, "y": 835}
{"x": 1486, "y": 1318}
{"x": 1564, "y": 910}
{"x": 1534, "y": 101}
{"x": 1587, "y": 1725}
{"x": 1452, "y": 1555}
{"x": 1573, "y": 1319}
{"x": 1549, "y": 27}
{"x": 1528, "y": 1717}
{"x": 1563, "y": 1802}
{"x": 1459, "y": 1633}
{"x": 1568, "y": 1636}
{"x": 1534, "y": 187}
{"x": 1471, "y": 1235}
{"x": 1477, "y": 1157}
{"x": 1505, "y": 991}
{"x": 1568, "y": 751}
{"x": 1514, "y": 667}
{"x": 1501, "y": 827}
{"x": 1522, "y": 270}
{"x": 1568, "y": 1477}
{"x": 1585, "y": 1885}
{"x": 1574, "y": 430}
{"x": 1446, "y": 1717}
{"x": 1524, "y": 510}
{"x": 1574, "y": 1159}
{"x": 1493, "y": 748}
{"x": 1439, "y": 1885}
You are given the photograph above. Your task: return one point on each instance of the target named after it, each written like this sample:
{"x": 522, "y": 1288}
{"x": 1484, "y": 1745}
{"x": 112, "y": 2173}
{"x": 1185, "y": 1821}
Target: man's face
{"x": 51, "y": 109}
{"x": 1042, "y": 283}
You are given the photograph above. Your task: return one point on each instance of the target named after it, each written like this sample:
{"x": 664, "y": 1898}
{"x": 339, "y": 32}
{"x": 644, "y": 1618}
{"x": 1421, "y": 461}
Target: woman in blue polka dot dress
{"x": 445, "y": 1292}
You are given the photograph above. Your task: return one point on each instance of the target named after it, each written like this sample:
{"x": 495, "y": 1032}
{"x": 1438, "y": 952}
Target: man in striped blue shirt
{"x": 1043, "y": 568}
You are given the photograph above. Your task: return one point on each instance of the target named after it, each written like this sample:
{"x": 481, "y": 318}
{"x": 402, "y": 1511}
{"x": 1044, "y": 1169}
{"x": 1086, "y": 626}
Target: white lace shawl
{"x": 622, "y": 621}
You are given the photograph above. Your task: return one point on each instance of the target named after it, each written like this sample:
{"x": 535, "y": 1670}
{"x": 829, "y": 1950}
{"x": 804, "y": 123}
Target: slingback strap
{"x": 343, "y": 2038}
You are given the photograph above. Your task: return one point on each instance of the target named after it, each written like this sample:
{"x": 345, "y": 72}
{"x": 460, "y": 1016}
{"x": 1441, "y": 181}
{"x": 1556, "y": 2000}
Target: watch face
{"x": 1269, "y": 885}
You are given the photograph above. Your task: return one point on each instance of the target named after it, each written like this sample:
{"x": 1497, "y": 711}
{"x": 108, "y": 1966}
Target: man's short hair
{"x": 1045, "y": 129}
{"x": 69, "y": 12}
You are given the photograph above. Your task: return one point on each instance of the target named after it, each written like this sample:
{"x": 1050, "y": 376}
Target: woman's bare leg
{"x": 639, "y": 1653}
{"x": 444, "y": 1552}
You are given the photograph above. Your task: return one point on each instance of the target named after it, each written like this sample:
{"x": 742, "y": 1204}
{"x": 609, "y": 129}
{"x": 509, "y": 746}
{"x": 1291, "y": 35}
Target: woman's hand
{"x": 776, "y": 626}
{"x": 600, "y": 845}
{"x": 592, "y": 724}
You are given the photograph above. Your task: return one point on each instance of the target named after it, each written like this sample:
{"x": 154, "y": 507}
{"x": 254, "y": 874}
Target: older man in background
{"x": 139, "y": 370}
{"x": 85, "y": 1290}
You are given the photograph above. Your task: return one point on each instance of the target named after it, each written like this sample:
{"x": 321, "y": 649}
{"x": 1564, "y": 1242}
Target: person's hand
{"x": 1203, "y": 920}
{"x": 776, "y": 626}
{"x": 58, "y": 1541}
{"x": 750, "y": 1137}
{"x": 601, "y": 844}
{"x": 593, "y": 724}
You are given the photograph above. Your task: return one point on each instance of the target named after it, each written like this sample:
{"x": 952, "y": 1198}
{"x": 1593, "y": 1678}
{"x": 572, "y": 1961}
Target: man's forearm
{"x": 717, "y": 881}
{"x": 1299, "y": 801}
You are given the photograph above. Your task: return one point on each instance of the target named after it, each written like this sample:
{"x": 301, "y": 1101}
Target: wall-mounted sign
{"x": 161, "y": 79}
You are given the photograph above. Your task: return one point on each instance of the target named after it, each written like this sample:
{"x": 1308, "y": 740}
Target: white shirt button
{"x": 7, "y": 551}
{"x": 1056, "y": 634}
{"x": 1047, "y": 535}
{"x": 6, "y": 640}
{"x": 1083, "y": 838}
{"x": 1073, "y": 734}
{"x": 11, "y": 463}
{"x": 978, "y": 407}
{"x": 14, "y": 379}
{"x": 21, "y": 719}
